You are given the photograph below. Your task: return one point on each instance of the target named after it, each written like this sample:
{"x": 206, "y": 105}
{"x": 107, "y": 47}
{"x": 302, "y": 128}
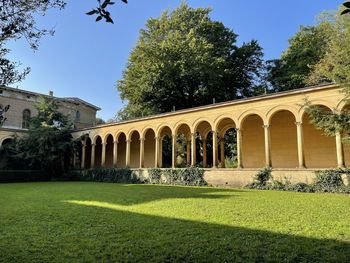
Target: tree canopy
{"x": 306, "y": 48}
{"x": 48, "y": 145}
{"x": 185, "y": 59}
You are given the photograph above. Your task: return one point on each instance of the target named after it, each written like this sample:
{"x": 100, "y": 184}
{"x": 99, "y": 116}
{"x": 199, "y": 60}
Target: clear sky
{"x": 85, "y": 59}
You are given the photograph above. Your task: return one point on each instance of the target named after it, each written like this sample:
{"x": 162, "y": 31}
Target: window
{"x": 77, "y": 116}
{"x": 26, "y": 119}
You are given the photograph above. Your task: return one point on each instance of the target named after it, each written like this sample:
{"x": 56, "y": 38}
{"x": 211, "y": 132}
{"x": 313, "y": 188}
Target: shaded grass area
{"x": 96, "y": 222}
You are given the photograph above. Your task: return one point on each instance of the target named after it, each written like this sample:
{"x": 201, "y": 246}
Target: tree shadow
{"x": 124, "y": 194}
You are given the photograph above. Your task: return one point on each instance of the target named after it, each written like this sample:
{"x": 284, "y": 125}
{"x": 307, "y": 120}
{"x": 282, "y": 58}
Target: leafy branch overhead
{"x": 347, "y": 8}
{"x": 101, "y": 11}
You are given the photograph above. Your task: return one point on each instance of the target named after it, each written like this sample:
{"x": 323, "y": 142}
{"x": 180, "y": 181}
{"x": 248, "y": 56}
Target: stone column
{"x": 92, "y": 156}
{"x": 267, "y": 145}
{"x": 193, "y": 149}
{"x": 127, "y": 157}
{"x": 188, "y": 151}
{"x": 239, "y": 147}
{"x": 205, "y": 163}
{"x": 300, "y": 141}
{"x": 83, "y": 154}
{"x": 142, "y": 152}
{"x": 115, "y": 153}
{"x": 173, "y": 152}
{"x": 340, "y": 150}
{"x": 156, "y": 155}
{"x": 215, "y": 149}
{"x": 103, "y": 159}
{"x": 222, "y": 152}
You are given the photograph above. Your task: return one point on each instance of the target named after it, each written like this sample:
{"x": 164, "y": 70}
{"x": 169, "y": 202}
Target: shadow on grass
{"x": 124, "y": 194}
{"x": 36, "y": 226}
{"x": 145, "y": 238}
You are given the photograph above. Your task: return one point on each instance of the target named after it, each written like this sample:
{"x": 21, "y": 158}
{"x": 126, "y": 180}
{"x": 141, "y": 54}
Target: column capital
{"x": 128, "y": 141}
{"x": 266, "y": 126}
{"x": 104, "y": 144}
{"x": 204, "y": 140}
{"x": 116, "y": 142}
{"x": 142, "y": 139}
{"x": 298, "y": 123}
{"x": 238, "y": 129}
{"x": 93, "y": 144}
{"x": 83, "y": 144}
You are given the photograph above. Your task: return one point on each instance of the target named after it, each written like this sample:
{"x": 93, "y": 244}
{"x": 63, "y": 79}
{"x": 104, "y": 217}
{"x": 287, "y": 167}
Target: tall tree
{"x": 334, "y": 67}
{"x": 48, "y": 145}
{"x": 306, "y": 48}
{"x": 186, "y": 59}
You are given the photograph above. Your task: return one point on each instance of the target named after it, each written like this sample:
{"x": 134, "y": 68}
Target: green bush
{"x": 14, "y": 176}
{"x": 329, "y": 180}
{"x": 186, "y": 176}
{"x": 154, "y": 175}
{"x": 107, "y": 175}
{"x": 300, "y": 187}
{"x": 263, "y": 176}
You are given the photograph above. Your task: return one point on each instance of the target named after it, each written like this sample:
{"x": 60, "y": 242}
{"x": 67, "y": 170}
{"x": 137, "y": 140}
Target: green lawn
{"x": 95, "y": 222}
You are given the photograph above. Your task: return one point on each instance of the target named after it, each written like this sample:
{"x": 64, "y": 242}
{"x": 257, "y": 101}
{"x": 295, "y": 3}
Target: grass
{"x": 95, "y": 222}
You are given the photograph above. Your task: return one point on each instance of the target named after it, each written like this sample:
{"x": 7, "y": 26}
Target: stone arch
{"x": 222, "y": 117}
{"x": 121, "y": 149}
{"x": 109, "y": 141}
{"x": 183, "y": 144}
{"x": 253, "y": 142}
{"x": 319, "y": 150}
{"x": 106, "y": 136}
{"x": 227, "y": 136}
{"x": 149, "y": 135}
{"x": 87, "y": 161}
{"x": 165, "y": 134}
{"x": 6, "y": 140}
{"x": 322, "y": 103}
{"x": 201, "y": 130}
{"x": 201, "y": 121}
{"x": 249, "y": 113}
{"x": 98, "y": 151}
{"x": 134, "y": 137}
{"x": 283, "y": 139}
{"x": 270, "y": 113}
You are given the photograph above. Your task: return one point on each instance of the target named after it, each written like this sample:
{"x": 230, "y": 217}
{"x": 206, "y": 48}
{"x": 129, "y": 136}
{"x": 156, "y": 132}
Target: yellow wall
{"x": 283, "y": 133}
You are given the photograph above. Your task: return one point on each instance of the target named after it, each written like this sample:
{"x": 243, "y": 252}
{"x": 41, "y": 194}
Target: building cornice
{"x": 221, "y": 104}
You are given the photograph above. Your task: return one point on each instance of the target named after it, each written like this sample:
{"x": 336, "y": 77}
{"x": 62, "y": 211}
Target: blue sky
{"x": 85, "y": 59}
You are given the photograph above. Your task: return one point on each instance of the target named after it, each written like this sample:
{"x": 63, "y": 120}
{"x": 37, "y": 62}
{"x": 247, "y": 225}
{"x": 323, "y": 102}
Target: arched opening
{"x": 203, "y": 144}
{"x": 346, "y": 146}
{"x": 165, "y": 151}
{"x": 283, "y": 139}
{"x": 135, "y": 150}
{"x": 26, "y": 115}
{"x": 121, "y": 156}
{"x": 109, "y": 151}
{"x": 319, "y": 149}
{"x": 227, "y": 143}
{"x": 253, "y": 142}
{"x": 6, "y": 141}
{"x": 87, "y": 160}
{"x": 183, "y": 145}
{"x": 150, "y": 146}
{"x": 98, "y": 152}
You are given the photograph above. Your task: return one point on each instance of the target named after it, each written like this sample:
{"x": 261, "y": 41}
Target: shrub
{"x": 300, "y": 187}
{"x": 154, "y": 175}
{"x": 329, "y": 180}
{"x": 276, "y": 185}
{"x": 187, "y": 176}
{"x": 108, "y": 175}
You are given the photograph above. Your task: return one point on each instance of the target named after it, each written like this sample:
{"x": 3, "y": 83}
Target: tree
{"x": 334, "y": 67}
{"x": 47, "y": 146}
{"x": 306, "y": 48}
{"x": 185, "y": 59}
{"x": 3, "y": 110}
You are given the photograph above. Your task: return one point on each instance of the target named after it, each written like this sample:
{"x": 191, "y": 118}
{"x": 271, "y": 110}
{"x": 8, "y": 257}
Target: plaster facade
{"x": 271, "y": 130}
